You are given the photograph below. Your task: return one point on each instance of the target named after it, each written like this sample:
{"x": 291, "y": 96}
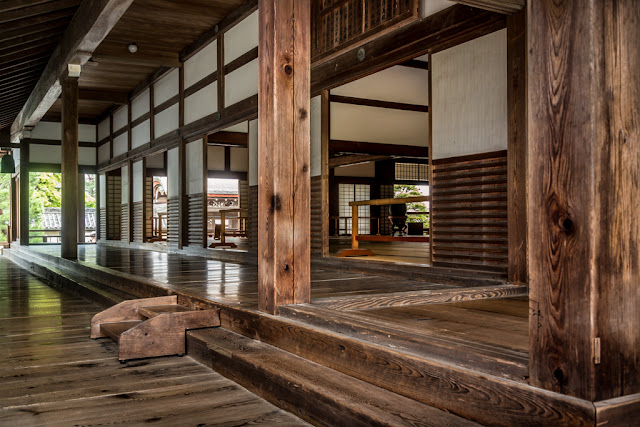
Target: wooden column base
{"x": 355, "y": 252}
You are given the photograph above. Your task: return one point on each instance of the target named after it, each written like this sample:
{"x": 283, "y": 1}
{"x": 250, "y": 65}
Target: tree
{"x": 5, "y": 201}
{"x": 403, "y": 190}
{"x": 45, "y": 191}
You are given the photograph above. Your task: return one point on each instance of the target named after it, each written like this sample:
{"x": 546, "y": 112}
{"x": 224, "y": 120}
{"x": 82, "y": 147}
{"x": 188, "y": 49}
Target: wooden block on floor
{"x": 126, "y": 310}
{"x": 154, "y": 310}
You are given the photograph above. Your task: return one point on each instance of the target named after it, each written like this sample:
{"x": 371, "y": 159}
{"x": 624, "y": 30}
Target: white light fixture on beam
{"x": 133, "y": 48}
{"x": 74, "y": 70}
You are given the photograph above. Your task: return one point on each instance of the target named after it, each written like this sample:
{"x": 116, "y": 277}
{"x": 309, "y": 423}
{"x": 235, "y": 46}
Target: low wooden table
{"x": 223, "y": 242}
{"x": 355, "y": 250}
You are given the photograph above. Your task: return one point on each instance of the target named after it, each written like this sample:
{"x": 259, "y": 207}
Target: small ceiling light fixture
{"x": 133, "y": 48}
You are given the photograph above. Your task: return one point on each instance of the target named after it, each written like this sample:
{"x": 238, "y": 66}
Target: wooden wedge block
{"x": 126, "y": 310}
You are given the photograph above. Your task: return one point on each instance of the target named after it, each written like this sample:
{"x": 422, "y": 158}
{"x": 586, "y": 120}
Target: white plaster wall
{"x": 201, "y": 64}
{"x": 382, "y": 125}
{"x": 166, "y": 121}
{"x": 239, "y": 159}
{"x": 140, "y": 104}
{"x": 253, "y": 152}
{"x": 53, "y": 131}
{"x": 86, "y": 156}
{"x": 120, "y": 145}
{"x": 16, "y": 157}
{"x": 173, "y": 173}
{"x": 103, "y": 190}
{"x": 396, "y": 84}
{"x": 316, "y": 136}
{"x": 470, "y": 97}
{"x": 194, "y": 152}
{"x": 156, "y": 161}
{"x": 429, "y": 7}
{"x": 241, "y": 38}
{"x": 120, "y": 118}
{"x": 45, "y": 153}
{"x": 165, "y": 88}
{"x": 201, "y": 104}
{"x": 240, "y": 127}
{"x": 137, "y": 181}
{"x": 103, "y": 152}
{"x": 103, "y": 129}
{"x": 141, "y": 134}
{"x": 241, "y": 84}
{"x": 125, "y": 184}
{"x": 363, "y": 170}
{"x": 215, "y": 158}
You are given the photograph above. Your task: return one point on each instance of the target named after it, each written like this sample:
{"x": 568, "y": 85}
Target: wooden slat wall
{"x": 114, "y": 208}
{"x": 148, "y": 195}
{"x": 195, "y": 205}
{"x": 243, "y": 188}
{"x": 103, "y": 223}
{"x": 252, "y": 222}
{"x": 173, "y": 225}
{"x": 124, "y": 223}
{"x": 340, "y": 23}
{"x": 386, "y": 192}
{"x": 138, "y": 222}
{"x": 469, "y": 212}
{"x": 316, "y": 215}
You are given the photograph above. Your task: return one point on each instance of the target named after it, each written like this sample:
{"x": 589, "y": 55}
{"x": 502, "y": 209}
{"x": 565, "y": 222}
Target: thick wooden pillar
{"x": 584, "y": 196}
{"x": 24, "y": 193}
{"x": 283, "y": 153}
{"x": 326, "y": 136}
{"x": 518, "y": 271}
{"x": 69, "y": 233}
{"x": 182, "y": 189}
{"x": 81, "y": 208}
{"x": 13, "y": 211}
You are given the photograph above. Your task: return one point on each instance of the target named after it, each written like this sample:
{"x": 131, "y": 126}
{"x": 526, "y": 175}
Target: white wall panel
{"x": 120, "y": 145}
{"x": 140, "y": 105}
{"x": 53, "y": 131}
{"x": 239, "y": 159}
{"x": 103, "y": 152}
{"x": 240, "y": 127}
{"x": 383, "y": 125}
{"x": 201, "y": 64}
{"x": 86, "y": 156}
{"x": 45, "y": 153}
{"x": 120, "y": 118}
{"x": 156, "y": 161}
{"x": 429, "y": 7}
{"x": 194, "y": 152}
{"x": 103, "y": 191}
{"x": 241, "y": 84}
{"x": 166, "y": 121}
{"x": 173, "y": 173}
{"x": 103, "y": 129}
{"x": 241, "y": 38}
{"x": 215, "y": 158}
{"x": 253, "y": 152}
{"x": 125, "y": 184}
{"x": 202, "y": 103}
{"x": 86, "y": 133}
{"x": 470, "y": 97}
{"x": 140, "y": 134}
{"x": 363, "y": 170}
{"x": 137, "y": 181}
{"x": 165, "y": 88}
{"x": 396, "y": 84}
{"x": 316, "y": 136}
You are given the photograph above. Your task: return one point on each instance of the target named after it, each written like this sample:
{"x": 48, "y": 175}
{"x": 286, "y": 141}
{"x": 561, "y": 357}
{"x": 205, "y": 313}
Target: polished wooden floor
{"x": 52, "y": 373}
{"x": 227, "y": 281}
{"x": 407, "y": 252}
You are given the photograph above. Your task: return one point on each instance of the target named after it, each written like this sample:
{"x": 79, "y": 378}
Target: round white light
{"x": 133, "y": 48}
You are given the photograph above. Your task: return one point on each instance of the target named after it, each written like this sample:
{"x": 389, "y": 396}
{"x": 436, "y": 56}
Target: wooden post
{"x": 430, "y": 154}
{"x": 81, "y": 209}
{"x": 325, "y": 135}
{"x": 13, "y": 211}
{"x": 283, "y": 153}
{"x": 130, "y": 200}
{"x": 98, "y": 204}
{"x": 145, "y": 206}
{"x": 24, "y": 192}
{"x": 354, "y": 228}
{"x": 584, "y": 197}
{"x": 182, "y": 196}
{"x": 69, "y": 233}
{"x": 517, "y": 147}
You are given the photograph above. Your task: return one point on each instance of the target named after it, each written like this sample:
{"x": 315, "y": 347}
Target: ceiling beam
{"x": 26, "y": 12}
{"x": 353, "y": 159}
{"x": 506, "y": 7}
{"x": 89, "y": 26}
{"x": 373, "y": 148}
{"x": 120, "y": 98}
{"x": 138, "y": 58}
{"x": 237, "y": 139}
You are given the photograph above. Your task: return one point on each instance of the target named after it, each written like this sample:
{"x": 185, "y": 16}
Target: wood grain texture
{"x": 126, "y": 310}
{"x": 69, "y": 166}
{"x": 283, "y": 152}
{"x": 583, "y": 194}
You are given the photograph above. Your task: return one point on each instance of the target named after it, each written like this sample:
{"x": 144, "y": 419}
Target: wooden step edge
{"x": 313, "y": 392}
{"x": 149, "y": 311}
{"x": 114, "y": 330}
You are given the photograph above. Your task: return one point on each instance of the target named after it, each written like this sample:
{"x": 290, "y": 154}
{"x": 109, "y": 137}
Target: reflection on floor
{"x": 408, "y": 252}
{"x": 53, "y": 374}
{"x": 242, "y": 243}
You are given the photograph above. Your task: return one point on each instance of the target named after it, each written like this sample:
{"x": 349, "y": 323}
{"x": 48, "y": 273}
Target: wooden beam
{"x": 500, "y": 6}
{"x": 69, "y": 167}
{"x": 584, "y": 197}
{"x": 352, "y": 159}
{"x": 379, "y": 104}
{"x": 138, "y": 58}
{"x": 283, "y": 143}
{"x": 89, "y": 26}
{"x": 325, "y": 135}
{"x": 119, "y": 98}
{"x": 415, "y": 63}
{"x": 517, "y": 147}
{"x": 24, "y": 192}
{"x": 237, "y": 139}
{"x": 358, "y": 147}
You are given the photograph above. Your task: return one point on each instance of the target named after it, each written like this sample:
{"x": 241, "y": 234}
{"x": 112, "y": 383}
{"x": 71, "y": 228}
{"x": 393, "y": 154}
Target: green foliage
{"x": 402, "y": 190}
{"x": 45, "y": 191}
{"x": 5, "y": 200}
{"x": 90, "y": 191}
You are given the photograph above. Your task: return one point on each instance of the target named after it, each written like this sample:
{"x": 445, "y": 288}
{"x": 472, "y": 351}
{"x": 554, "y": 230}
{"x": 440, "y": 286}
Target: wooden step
{"x": 154, "y": 310}
{"x": 114, "y": 330}
{"x": 314, "y": 392}
{"x": 126, "y": 310}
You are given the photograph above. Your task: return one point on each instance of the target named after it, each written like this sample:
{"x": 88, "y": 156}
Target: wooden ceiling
{"x": 161, "y": 29}
{"x": 29, "y": 32}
